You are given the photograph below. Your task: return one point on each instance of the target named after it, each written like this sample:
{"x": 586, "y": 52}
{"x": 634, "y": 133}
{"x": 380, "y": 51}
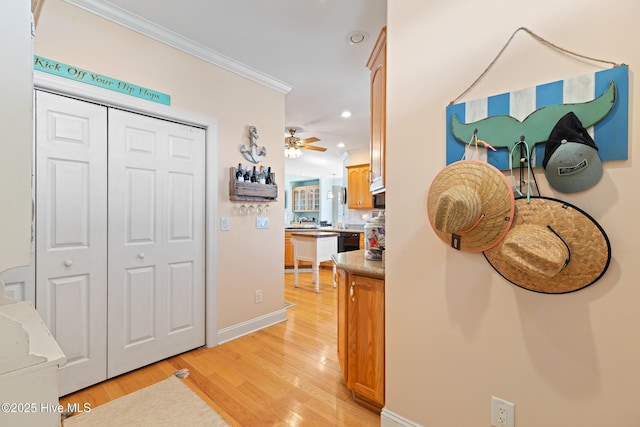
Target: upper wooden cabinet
{"x": 358, "y": 194}
{"x": 306, "y": 198}
{"x": 378, "y": 65}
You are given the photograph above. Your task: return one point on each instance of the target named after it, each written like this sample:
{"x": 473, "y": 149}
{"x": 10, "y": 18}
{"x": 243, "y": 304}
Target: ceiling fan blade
{"x": 311, "y": 147}
{"x": 310, "y": 140}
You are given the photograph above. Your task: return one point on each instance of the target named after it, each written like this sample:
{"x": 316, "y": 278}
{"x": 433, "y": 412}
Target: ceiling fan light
{"x": 292, "y": 152}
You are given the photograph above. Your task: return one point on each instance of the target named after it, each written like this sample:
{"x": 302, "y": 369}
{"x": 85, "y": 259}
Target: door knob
{"x": 68, "y": 263}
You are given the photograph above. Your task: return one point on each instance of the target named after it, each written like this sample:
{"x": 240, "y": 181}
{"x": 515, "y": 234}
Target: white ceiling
{"x": 296, "y": 44}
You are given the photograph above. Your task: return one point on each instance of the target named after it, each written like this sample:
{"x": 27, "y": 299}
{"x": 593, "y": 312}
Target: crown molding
{"x": 145, "y": 27}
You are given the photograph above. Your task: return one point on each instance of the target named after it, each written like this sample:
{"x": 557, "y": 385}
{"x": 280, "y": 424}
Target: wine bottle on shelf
{"x": 267, "y": 179}
{"x": 239, "y": 175}
{"x": 261, "y": 178}
{"x": 254, "y": 178}
{"x": 247, "y": 176}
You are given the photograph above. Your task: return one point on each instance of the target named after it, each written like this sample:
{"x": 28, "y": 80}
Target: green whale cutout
{"x": 505, "y": 131}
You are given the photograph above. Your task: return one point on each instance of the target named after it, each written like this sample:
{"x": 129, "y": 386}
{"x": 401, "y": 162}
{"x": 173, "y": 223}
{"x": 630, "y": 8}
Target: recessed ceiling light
{"x": 340, "y": 145}
{"x": 345, "y": 114}
{"x": 357, "y": 37}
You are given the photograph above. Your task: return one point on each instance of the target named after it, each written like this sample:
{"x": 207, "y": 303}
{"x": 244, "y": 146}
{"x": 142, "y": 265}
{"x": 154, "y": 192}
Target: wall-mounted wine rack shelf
{"x": 243, "y": 191}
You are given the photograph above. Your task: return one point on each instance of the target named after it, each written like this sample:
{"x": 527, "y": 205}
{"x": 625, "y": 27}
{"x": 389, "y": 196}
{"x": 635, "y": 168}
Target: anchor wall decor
{"x": 252, "y": 153}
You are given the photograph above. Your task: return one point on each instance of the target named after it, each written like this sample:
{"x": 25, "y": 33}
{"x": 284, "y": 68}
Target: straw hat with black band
{"x": 470, "y": 205}
{"x": 552, "y": 247}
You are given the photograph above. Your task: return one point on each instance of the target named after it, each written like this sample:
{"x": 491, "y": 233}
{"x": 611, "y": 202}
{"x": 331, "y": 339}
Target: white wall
{"x": 15, "y": 134}
{"x": 456, "y": 332}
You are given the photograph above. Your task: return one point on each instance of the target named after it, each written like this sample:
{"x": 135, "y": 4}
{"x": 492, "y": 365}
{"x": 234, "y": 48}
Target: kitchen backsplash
{"x": 359, "y": 217}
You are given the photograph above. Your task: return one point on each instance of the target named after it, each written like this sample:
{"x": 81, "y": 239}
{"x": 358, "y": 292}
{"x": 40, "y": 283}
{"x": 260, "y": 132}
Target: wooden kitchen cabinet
{"x": 358, "y": 194}
{"x": 343, "y": 289}
{"x": 299, "y": 197}
{"x": 288, "y": 250}
{"x": 361, "y": 340}
{"x": 377, "y": 64}
{"x": 306, "y": 198}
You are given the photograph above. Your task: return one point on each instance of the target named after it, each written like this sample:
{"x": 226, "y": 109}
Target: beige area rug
{"x": 167, "y": 403}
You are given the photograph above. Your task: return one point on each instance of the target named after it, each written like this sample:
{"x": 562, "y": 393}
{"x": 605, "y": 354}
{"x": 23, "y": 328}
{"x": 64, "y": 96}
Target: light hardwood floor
{"x": 284, "y": 375}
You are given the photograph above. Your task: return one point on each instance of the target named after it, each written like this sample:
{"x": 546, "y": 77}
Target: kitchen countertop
{"x": 314, "y": 233}
{"x": 355, "y": 262}
{"x": 332, "y": 229}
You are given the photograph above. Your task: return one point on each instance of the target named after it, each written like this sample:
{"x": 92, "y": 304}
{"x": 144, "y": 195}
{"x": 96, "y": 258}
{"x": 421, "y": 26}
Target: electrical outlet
{"x": 258, "y": 296}
{"x": 502, "y": 413}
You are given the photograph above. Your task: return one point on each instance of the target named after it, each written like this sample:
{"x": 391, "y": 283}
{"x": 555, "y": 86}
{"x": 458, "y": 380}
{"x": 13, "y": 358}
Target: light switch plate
{"x": 224, "y": 223}
{"x": 262, "y": 222}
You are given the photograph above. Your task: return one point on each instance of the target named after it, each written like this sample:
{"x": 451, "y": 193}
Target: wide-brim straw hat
{"x": 470, "y": 205}
{"x": 552, "y": 247}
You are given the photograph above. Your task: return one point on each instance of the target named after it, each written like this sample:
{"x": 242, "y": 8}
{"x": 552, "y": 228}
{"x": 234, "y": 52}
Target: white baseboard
{"x": 245, "y": 328}
{"x": 391, "y": 419}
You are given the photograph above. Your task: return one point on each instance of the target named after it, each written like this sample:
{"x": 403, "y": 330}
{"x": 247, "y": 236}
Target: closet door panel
{"x": 67, "y": 217}
{"x": 181, "y": 288}
{"x": 156, "y": 242}
{"x": 71, "y": 233}
{"x": 135, "y": 249}
{"x": 140, "y": 206}
{"x": 140, "y": 305}
{"x": 184, "y": 236}
{"x": 72, "y": 328}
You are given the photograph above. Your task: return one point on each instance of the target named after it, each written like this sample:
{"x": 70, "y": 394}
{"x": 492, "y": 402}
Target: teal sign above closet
{"x": 84, "y": 76}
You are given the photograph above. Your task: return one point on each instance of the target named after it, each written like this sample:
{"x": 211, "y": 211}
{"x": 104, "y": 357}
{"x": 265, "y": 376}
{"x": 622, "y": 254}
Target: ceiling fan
{"x": 293, "y": 142}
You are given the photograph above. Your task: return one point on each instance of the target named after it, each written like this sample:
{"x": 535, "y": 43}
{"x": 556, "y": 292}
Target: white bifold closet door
{"x": 156, "y": 240}
{"x": 71, "y": 233}
{"x": 120, "y": 237}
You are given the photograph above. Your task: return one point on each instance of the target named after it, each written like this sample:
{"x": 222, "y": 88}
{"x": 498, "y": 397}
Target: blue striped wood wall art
{"x": 611, "y": 134}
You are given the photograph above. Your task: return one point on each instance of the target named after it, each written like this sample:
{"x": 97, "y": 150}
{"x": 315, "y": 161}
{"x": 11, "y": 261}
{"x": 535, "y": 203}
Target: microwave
{"x": 378, "y": 201}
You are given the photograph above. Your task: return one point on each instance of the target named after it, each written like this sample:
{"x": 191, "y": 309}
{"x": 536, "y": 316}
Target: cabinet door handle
{"x": 352, "y": 291}
{"x": 68, "y": 263}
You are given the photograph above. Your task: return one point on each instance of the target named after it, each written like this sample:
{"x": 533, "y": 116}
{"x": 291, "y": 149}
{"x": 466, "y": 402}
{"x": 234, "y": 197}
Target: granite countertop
{"x": 355, "y": 262}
